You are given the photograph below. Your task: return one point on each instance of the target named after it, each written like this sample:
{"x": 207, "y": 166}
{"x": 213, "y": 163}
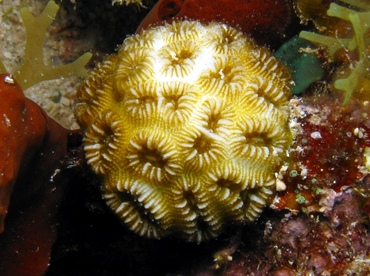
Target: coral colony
{"x": 189, "y": 133}
{"x": 188, "y": 125}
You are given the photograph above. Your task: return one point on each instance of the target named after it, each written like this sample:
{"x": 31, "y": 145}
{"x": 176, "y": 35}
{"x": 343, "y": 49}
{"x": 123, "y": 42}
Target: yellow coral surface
{"x": 128, "y": 2}
{"x": 187, "y": 125}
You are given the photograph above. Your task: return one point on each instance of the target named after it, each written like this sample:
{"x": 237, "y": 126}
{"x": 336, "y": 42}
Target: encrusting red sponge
{"x": 264, "y": 20}
{"x": 32, "y": 146}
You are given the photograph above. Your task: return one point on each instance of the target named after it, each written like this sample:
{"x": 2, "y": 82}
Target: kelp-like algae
{"x": 33, "y": 70}
{"x": 357, "y": 45}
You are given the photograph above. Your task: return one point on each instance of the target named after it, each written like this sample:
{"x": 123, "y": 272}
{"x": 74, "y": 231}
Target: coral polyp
{"x": 187, "y": 125}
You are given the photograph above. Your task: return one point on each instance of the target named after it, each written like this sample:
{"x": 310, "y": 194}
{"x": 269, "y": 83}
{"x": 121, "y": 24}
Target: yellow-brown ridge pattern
{"x": 187, "y": 126}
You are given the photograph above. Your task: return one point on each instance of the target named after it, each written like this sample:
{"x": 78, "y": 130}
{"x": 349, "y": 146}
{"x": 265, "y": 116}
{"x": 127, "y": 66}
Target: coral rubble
{"x": 335, "y": 244}
{"x": 187, "y": 125}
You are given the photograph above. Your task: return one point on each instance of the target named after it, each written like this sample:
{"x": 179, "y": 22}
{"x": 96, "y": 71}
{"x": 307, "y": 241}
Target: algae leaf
{"x": 358, "y": 43}
{"x": 33, "y": 70}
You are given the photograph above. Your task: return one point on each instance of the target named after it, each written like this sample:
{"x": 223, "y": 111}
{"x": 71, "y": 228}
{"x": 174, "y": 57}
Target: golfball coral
{"x": 187, "y": 126}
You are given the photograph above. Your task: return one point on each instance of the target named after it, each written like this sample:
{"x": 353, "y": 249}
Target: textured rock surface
{"x": 187, "y": 125}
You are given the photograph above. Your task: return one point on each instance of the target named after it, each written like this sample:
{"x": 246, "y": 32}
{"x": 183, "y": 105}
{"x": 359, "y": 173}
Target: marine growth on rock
{"x": 187, "y": 126}
{"x": 349, "y": 39}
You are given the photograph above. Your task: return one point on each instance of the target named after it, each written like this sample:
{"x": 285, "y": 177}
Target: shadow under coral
{"x": 92, "y": 242}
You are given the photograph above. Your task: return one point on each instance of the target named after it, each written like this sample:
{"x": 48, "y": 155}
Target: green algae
{"x": 357, "y": 45}
{"x": 306, "y": 67}
{"x": 33, "y": 70}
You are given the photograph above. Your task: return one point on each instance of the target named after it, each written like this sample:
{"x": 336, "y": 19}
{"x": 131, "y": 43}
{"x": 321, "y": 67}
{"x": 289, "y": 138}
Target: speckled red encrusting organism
{"x": 328, "y": 153}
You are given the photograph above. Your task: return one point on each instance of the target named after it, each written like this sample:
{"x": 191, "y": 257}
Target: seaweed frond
{"x": 359, "y": 42}
{"x": 33, "y": 70}
{"x": 2, "y": 68}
